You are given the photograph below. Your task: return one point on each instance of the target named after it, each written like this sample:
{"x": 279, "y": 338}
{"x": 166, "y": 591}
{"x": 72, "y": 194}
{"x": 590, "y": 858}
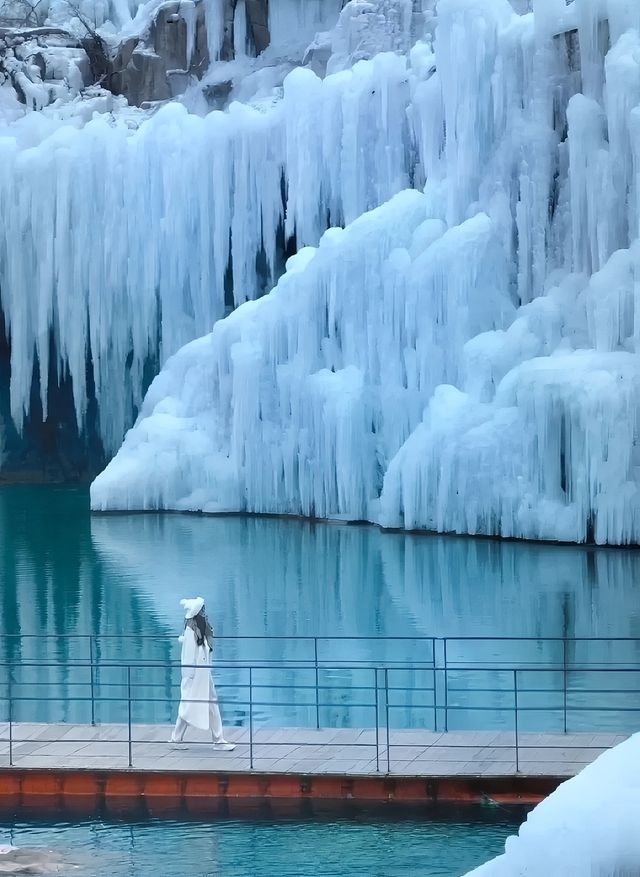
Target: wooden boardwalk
{"x": 303, "y": 751}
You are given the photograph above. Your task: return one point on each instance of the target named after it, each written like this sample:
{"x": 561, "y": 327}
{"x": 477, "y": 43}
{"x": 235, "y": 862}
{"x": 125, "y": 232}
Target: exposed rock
{"x": 124, "y": 53}
{"x": 144, "y": 78}
{"x": 159, "y": 62}
{"x": 217, "y": 94}
{"x": 160, "y": 66}
{"x": 258, "y": 23}
{"x": 170, "y": 36}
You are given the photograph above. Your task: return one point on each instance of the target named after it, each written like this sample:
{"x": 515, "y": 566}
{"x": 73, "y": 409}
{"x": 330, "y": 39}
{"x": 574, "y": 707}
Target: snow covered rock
{"x": 586, "y": 828}
{"x": 43, "y": 65}
{"x": 366, "y": 27}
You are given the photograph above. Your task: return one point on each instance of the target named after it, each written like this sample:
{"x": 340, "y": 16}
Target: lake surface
{"x": 263, "y": 848}
{"x": 65, "y": 575}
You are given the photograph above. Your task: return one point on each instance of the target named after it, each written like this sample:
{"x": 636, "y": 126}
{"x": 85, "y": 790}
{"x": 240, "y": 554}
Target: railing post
{"x": 386, "y": 706}
{"x": 435, "y": 683}
{"x": 375, "y": 686}
{"x": 250, "y": 718}
{"x": 446, "y": 686}
{"x": 10, "y": 693}
{"x": 564, "y": 684}
{"x": 93, "y": 694}
{"x": 515, "y": 712}
{"x": 315, "y": 657}
{"x": 129, "y": 714}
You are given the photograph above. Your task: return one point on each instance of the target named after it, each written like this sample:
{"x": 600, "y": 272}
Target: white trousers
{"x": 215, "y": 720}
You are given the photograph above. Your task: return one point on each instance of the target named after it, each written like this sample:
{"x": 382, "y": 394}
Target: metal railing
{"x": 382, "y": 697}
{"x": 314, "y": 640}
{"x": 570, "y": 656}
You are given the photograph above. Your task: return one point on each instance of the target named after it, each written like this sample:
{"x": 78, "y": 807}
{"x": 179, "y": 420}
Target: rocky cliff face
{"x": 157, "y": 58}
{"x": 158, "y": 67}
{"x": 49, "y": 63}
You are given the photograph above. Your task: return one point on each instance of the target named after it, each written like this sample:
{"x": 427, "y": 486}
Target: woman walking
{"x": 198, "y": 698}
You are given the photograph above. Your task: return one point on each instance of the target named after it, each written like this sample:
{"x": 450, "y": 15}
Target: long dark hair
{"x": 201, "y": 628}
{"x": 201, "y": 625}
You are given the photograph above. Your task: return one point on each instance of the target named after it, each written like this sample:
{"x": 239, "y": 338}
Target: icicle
{"x": 175, "y": 202}
{"x": 302, "y": 18}
{"x": 214, "y": 20}
{"x": 591, "y": 185}
{"x": 318, "y": 362}
{"x": 622, "y": 94}
{"x": 189, "y": 14}
{"x": 240, "y": 30}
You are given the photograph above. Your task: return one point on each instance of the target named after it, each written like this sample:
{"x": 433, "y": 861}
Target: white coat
{"x": 196, "y": 689}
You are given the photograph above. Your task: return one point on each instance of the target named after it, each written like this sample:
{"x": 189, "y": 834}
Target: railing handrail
{"x": 323, "y": 665}
{"x": 379, "y": 686}
{"x": 330, "y": 637}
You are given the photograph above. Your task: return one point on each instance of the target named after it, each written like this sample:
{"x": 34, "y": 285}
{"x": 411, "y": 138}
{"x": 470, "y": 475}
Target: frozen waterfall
{"x": 459, "y": 360}
{"x": 127, "y": 243}
{"x": 272, "y": 412}
{"x": 454, "y": 345}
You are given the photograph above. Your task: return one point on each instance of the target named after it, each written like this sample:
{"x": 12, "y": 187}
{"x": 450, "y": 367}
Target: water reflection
{"x": 64, "y": 572}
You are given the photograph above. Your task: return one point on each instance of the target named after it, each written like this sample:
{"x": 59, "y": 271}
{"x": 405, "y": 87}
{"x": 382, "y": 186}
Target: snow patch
{"x": 586, "y": 828}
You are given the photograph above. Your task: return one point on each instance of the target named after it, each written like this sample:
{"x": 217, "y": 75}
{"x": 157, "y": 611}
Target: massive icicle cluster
{"x": 289, "y": 423}
{"x": 464, "y": 359}
{"x": 117, "y": 239}
{"x": 586, "y": 828}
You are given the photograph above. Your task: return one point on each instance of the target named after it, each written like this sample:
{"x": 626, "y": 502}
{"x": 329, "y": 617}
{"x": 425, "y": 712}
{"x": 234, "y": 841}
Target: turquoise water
{"x": 286, "y": 848}
{"x": 65, "y": 575}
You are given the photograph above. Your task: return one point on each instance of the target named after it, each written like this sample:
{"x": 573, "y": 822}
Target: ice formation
{"x": 112, "y": 255}
{"x": 586, "y": 828}
{"x": 294, "y": 388}
{"x": 460, "y": 360}
{"x": 300, "y": 20}
{"x": 458, "y": 352}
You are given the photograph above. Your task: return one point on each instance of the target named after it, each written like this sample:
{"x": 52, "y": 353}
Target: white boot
{"x": 224, "y": 746}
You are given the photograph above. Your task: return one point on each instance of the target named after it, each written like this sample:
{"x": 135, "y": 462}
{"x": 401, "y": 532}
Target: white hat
{"x": 192, "y": 606}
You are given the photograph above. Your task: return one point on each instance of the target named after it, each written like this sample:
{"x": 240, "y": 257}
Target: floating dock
{"x": 114, "y": 767}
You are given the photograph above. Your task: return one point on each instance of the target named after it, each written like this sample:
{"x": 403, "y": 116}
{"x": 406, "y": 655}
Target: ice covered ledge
{"x": 587, "y": 828}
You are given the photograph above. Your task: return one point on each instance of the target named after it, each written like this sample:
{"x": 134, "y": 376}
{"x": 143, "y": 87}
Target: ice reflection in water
{"x": 66, "y": 573}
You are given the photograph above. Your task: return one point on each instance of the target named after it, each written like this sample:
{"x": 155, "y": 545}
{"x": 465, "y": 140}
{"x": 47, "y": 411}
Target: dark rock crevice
{"x": 51, "y": 448}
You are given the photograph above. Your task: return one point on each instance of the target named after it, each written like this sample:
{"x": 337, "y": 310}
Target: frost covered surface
{"x": 461, "y": 360}
{"x": 586, "y": 828}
